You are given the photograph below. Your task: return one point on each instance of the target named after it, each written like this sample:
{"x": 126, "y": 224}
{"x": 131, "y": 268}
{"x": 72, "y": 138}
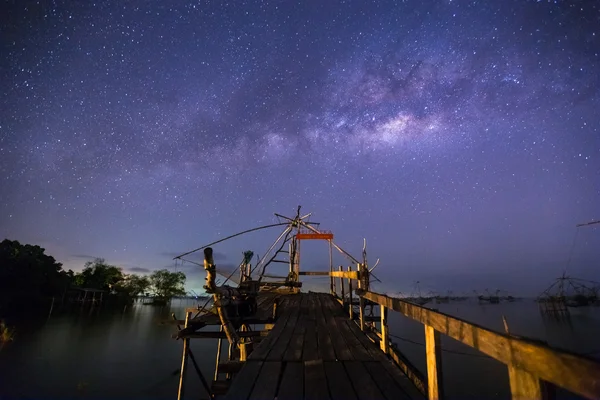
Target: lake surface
{"x": 129, "y": 354}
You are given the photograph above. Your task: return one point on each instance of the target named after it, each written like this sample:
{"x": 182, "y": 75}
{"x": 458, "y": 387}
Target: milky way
{"x": 461, "y": 138}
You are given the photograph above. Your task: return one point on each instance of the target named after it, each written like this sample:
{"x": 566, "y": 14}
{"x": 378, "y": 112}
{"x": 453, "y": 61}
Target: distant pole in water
{"x": 505, "y": 325}
{"x": 51, "y": 308}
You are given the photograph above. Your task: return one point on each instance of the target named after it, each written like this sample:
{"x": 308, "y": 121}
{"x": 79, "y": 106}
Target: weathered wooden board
{"x": 266, "y": 384}
{"x": 292, "y": 382}
{"x": 310, "y": 342}
{"x": 324, "y": 345}
{"x": 386, "y": 384}
{"x": 296, "y": 344}
{"x": 346, "y": 328}
{"x": 341, "y": 349}
{"x": 364, "y": 385}
{"x": 340, "y": 386}
{"x": 280, "y": 345}
{"x": 244, "y": 381}
{"x": 315, "y": 381}
{"x": 262, "y": 350}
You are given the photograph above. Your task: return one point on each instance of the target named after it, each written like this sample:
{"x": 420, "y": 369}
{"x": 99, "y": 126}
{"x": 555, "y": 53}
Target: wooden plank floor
{"x": 315, "y": 352}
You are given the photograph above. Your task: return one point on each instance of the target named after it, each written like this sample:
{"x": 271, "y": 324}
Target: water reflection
{"x": 102, "y": 354}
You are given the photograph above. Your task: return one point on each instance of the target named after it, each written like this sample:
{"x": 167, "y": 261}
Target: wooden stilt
{"x": 219, "y": 345}
{"x": 331, "y": 280}
{"x": 184, "y": 358}
{"x": 361, "y": 313}
{"x": 350, "y": 309}
{"x": 342, "y": 286}
{"x": 434, "y": 363}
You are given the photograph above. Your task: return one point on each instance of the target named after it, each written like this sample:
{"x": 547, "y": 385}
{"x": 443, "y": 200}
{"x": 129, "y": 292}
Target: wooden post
{"x": 361, "y": 301}
{"x": 385, "y": 335}
{"x": 331, "y": 284}
{"x": 434, "y": 363}
{"x": 219, "y": 345}
{"x": 350, "y": 310}
{"x": 51, "y": 308}
{"x": 524, "y": 385}
{"x": 342, "y": 286}
{"x": 362, "y": 313}
{"x": 184, "y": 357}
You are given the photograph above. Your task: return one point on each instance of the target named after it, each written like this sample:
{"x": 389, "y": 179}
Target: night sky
{"x": 461, "y": 138}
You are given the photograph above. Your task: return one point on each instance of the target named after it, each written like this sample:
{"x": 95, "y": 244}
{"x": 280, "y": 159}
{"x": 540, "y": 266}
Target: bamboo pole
{"x": 184, "y": 357}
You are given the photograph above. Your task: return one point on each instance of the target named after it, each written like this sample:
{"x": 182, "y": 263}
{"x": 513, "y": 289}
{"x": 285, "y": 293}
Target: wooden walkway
{"x": 315, "y": 352}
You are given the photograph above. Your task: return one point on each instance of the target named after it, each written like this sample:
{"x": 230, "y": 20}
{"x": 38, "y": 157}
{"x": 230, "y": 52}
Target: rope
{"x": 230, "y": 237}
{"x": 572, "y": 249}
{"x": 444, "y": 350}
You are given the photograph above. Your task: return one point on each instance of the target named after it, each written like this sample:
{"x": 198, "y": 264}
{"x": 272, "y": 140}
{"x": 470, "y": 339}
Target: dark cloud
{"x": 138, "y": 269}
{"x": 85, "y": 256}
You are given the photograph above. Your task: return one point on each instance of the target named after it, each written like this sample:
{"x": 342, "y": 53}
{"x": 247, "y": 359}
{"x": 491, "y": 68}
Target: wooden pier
{"x": 316, "y": 352}
{"x": 284, "y": 344}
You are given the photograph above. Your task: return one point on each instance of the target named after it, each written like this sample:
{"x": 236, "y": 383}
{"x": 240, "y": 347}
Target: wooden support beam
{"x": 184, "y": 358}
{"x": 314, "y": 273}
{"x": 572, "y": 372}
{"x": 345, "y": 274}
{"x": 361, "y": 314}
{"x": 342, "y": 285}
{"x": 216, "y": 321}
{"x": 350, "y": 310}
{"x": 385, "y": 338}
{"x": 218, "y": 361}
{"x": 230, "y": 367}
{"x": 433, "y": 351}
{"x": 218, "y": 335}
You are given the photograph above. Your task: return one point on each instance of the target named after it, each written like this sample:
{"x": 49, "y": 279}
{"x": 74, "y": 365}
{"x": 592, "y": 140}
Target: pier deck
{"x": 315, "y": 352}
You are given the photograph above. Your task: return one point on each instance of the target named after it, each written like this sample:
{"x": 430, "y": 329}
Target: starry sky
{"x": 460, "y": 138}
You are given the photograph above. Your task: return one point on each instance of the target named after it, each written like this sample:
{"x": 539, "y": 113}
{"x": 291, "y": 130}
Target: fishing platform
{"x": 287, "y": 344}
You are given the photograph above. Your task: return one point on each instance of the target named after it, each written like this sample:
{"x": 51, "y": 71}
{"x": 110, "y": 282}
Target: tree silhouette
{"x": 28, "y": 274}
{"x": 166, "y": 284}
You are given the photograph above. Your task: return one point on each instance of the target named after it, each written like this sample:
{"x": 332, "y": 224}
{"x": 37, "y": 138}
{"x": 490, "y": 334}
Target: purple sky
{"x": 460, "y": 138}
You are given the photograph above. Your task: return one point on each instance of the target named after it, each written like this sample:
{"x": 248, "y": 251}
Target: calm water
{"x": 131, "y": 355}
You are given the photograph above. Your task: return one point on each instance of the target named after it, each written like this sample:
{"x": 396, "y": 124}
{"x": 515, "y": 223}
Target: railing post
{"x": 342, "y": 286}
{"x": 434, "y": 363}
{"x": 362, "y": 271}
{"x": 350, "y": 310}
{"x": 524, "y": 385}
{"x": 331, "y": 280}
{"x": 184, "y": 357}
{"x": 385, "y": 335}
{"x": 361, "y": 313}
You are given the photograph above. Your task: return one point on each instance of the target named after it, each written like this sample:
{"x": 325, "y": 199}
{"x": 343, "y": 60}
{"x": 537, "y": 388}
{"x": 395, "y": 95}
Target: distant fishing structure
{"x": 567, "y": 291}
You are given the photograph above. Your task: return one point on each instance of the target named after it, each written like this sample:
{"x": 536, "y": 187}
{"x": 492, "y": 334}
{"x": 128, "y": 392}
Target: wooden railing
{"x": 532, "y": 365}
